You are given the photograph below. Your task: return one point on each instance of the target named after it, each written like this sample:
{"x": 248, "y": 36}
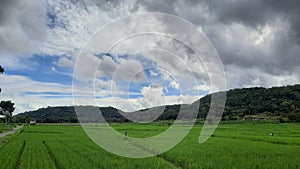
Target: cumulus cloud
{"x": 153, "y": 95}
{"x": 266, "y": 11}
{"x": 175, "y": 84}
{"x": 250, "y": 34}
{"x": 129, "y": 70}
{"x": 22, "y": 30}
{"x": 107, "y": 67}
{"x": 66, "y": 62}
{"x": 86, "y": 67}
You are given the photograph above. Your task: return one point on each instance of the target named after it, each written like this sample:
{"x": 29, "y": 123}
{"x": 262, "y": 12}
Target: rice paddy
{"x": 233, "y": 145}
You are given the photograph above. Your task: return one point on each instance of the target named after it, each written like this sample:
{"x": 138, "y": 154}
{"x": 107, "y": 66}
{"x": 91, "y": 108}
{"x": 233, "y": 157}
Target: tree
{"x": 294, "y": 116}
{"x": 7, "y": 107}
{"x": 1, "y": 72}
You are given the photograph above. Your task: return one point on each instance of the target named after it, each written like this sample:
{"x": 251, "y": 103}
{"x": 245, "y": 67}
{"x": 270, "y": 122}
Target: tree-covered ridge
{"x": 64, "y": 114}
{"x": 247, "y": 103}
{"x": 275, "y": 101}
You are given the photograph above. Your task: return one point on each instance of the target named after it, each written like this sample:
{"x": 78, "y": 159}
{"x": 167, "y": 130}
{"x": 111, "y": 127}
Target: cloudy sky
{"x": 47, "y": 47}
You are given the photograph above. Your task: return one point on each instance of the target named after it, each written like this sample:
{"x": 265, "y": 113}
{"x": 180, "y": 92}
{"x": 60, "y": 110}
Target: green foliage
{"x": 294, "y": 115}
{"x": 65, "y": 114}
{"x": 276, "y": 101}
{"x": 7, "y": 107}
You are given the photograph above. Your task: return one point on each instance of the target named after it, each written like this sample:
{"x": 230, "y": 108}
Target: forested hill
{"x": 64, "y": 114}
{"x": 259, "y": 103}
{"x": 281, "y": 103}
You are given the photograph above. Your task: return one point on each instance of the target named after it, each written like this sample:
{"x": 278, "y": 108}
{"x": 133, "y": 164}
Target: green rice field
{"x": 233, "y": 145}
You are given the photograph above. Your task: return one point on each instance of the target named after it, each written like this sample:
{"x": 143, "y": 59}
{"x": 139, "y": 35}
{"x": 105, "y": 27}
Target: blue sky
{"x": 44, "y": 69}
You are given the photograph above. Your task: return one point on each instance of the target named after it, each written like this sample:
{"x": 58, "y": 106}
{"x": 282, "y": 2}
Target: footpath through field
{"x": 10, "y": 131}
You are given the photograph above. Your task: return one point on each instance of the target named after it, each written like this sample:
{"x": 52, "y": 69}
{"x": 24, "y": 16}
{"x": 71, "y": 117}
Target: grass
{"x": 4, "y": 127}
{"x": 245, "y": 145}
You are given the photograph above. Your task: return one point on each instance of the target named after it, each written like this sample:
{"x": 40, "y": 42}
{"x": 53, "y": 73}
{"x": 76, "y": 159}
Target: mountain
{"x": 282, "y": 103}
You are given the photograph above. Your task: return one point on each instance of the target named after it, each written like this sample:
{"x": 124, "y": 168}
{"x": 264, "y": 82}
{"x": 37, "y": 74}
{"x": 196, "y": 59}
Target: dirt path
{"x": 10, "y": 131}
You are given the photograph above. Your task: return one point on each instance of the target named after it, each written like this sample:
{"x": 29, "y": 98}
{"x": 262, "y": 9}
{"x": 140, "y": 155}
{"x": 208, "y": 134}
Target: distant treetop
{"x": 1, "y": 70}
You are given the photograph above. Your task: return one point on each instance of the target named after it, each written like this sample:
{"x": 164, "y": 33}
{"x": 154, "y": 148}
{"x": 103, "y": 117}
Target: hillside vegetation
{"x": 280, "y": 103}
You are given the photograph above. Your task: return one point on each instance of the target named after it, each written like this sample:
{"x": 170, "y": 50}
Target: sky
{"x": 53, "y": 51}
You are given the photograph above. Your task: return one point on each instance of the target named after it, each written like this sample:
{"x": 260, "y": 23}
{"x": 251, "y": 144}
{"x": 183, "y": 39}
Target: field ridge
{"x": 257, "y": 140}
{"x": 143, "y": 148}
{"x": 18, "y": 162}
{"x": 52, "y": 156}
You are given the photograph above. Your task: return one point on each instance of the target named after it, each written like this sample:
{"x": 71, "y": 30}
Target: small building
{"x": 32, "y": 122}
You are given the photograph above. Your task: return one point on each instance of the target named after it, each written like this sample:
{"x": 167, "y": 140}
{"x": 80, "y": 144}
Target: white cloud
{"x": 20, "y": 84}
{"x": 22, "y": 31}
{"x": 153, "y": 95}
{"x": 166, "y": 89}
{"x": 252, "y": 77}
{"x": 28, "y": 94}
{"x": 130, "y": 105}
{"x": 86, "y": 67}
{"x": 107, "y": 67}
{"x": 76, "y": 22}
{"x": 129, "y": 70}
{"x": 153, "y": 73}
{"x": 175, "y": 84}
{"x": 201, "y": 88}
{"x": 66, "y": 62}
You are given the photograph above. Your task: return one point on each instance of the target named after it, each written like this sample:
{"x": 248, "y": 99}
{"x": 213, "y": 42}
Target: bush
{"x": 294, "y": 116}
